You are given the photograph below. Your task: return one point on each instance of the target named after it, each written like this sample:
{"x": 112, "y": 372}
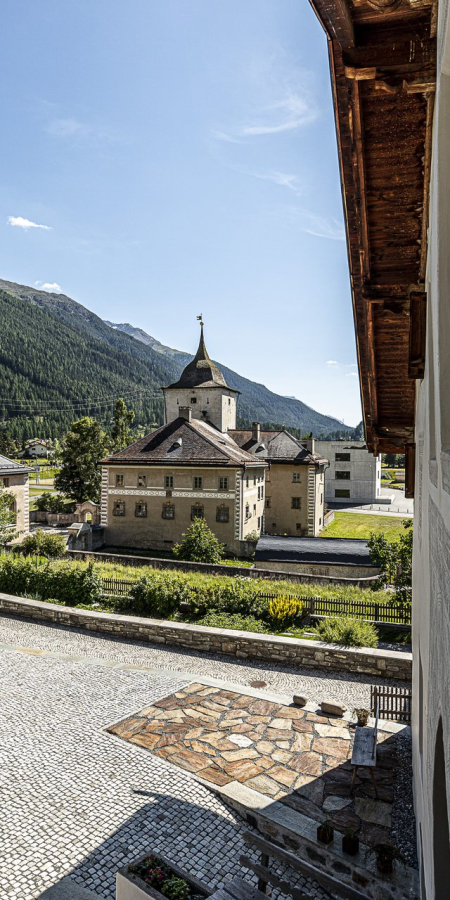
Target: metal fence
{"x": 395, "y": 702}
{"x": 314, "y": 606}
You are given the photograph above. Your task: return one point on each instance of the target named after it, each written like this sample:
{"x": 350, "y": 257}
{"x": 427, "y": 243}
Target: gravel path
{"x": 317, "y": 684}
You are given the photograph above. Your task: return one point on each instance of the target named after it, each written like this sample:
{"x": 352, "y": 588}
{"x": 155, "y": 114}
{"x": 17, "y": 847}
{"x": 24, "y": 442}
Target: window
{"x": 340, "y": 492}
{"x": 229, "y": 402}
{"x": 168, "y": 511}
{"x": 342, "y": 457}
{"x": 259, "y": 493}
{"x": 142, "y": 481}
{"x": 197, "y": 482}
{"x": 267, "y": 502}
{"x": 320, "y": 522}
{"x": 342, "y": 476}
{"x": 140, "y": 510}
{"x": 247, "y": 511}
{"x": 254, "y": 509}
{"x": 246, "y": 481}
{"x": 119, "y": 480}
{"x": 296, "y": 477}
{"x": 321, "y": 498}
{"x": 223, "y": 484}
{"x": 119, "y": 508}
{"x": 259, "y": 521}
{"x": 197, "y": 512}
{"x": 262, "y": 492}
{"x": 193, "y": 399}
{"x": 4, "y": 482}
{"x": 223, "y": 514}
{"x": 298, "y": 526}
{"x": 168, "y": 482}
{"x": 254, "y": 479}
{"x": 296, "y": 503}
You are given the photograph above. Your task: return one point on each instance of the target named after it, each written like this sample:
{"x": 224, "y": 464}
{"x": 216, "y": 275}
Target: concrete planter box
{"x": 131, "y": 887}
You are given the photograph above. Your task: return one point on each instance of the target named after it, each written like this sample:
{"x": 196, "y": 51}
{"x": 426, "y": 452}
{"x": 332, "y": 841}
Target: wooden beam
{"x": 417, "y": 333}
{"x": 334, "y": 16}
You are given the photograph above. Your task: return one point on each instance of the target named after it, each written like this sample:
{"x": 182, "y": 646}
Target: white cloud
{"x": 53, "y": 288}
{"x": 20, "y": 222}
{"x": 281, "y": 178}
{"x": 332, "y": 362}
{"x": 351, "y": 375}
{"x": 319, "y": 226}
{"x": 68, "y": 128}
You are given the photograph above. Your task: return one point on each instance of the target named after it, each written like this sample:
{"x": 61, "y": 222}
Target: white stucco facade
{"x": 354, "y": 474}
{"x": 431, "y": 560}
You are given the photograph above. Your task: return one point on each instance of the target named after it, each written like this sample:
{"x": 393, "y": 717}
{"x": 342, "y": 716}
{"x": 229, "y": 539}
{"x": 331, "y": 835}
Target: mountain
{"x": 256, "y": 401}
{"x": 58, "y": 361}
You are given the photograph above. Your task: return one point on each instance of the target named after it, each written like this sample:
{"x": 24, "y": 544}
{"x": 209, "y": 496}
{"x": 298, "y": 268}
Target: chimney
{"x": 309, "y": 443}
{"x": 185, "y": 413}
{"x": 256, "y": 431}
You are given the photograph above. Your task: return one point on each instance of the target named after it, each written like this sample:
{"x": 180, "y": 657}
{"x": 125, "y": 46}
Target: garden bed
{"x": 142, "y": 878}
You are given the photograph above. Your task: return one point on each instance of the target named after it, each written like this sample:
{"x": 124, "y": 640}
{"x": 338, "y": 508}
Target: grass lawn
{"x": 352, "y": 525}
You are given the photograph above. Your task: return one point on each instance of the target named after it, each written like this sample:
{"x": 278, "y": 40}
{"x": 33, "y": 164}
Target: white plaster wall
{"x": 213, "y": 404}
{"x": 431, "y": 559}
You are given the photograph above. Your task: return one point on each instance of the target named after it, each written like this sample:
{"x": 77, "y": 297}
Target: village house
{"x": 390, "y": 69}
{"x": 35, "y": 449}
{"x": 354, "y": 473}
{"x": 14, "y": 483}
{"x": 190, "y": 468}
{"x": 294, "y": 502}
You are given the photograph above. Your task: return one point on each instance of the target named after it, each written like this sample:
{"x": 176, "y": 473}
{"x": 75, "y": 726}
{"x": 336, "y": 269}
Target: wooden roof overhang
{"x": 383, "y": 61}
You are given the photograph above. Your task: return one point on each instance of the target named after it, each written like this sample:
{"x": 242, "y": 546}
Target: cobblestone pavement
{"x": 317, "y": 684}
{"x": 77, "y": 800}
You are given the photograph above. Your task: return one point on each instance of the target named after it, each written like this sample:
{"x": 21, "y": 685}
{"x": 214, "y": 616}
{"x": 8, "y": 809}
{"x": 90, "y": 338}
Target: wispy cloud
{"x": 340, "y": 367}
{"x": 20, "y": 222}
{"x": 332, "y": 362}
{"x": 323, "y": 227}
{"x": 68, "y": 127}
{"x": 351, "y": 375}
{"x": 53, "y": 288}
{"x": 280, "y": 99}
{"x": 283, "y": 179}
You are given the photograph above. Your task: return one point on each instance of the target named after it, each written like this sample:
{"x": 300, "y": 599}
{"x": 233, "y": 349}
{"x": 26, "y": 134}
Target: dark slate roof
{"x": 277, "y": 446}
{"x": 325, "y": 551}
{"x": 201, "y": 372}
{"x": 10, "y": 467}
{"x": 183, "y": 443}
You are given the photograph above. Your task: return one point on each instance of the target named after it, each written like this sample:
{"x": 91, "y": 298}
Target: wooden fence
{"x": 315, "y": 606}
{"x": 395, "y": 703}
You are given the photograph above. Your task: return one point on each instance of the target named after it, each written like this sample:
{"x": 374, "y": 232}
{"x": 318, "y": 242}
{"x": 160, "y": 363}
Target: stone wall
{"x": 240, "y": 644}
{"x": 318, "y": 571}
{"x": 212, "y": 569}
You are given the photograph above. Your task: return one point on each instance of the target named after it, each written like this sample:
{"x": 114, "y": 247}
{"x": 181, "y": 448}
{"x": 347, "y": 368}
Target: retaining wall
{"x": 217, "y": 569}
{"x": 240, "y": 644}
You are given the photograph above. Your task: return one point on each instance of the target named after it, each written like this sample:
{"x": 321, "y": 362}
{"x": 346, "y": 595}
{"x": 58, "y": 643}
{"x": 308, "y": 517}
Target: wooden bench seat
{"x": 365, "y": 750}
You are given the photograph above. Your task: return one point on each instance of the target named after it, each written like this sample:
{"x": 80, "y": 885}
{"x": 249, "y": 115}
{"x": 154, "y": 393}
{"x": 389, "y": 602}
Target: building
{"x": 35, "y": 449}
{"x": 390, "y": 68}
{"x": 294, "y": 503}
{"x": 190, "y": 468}
{"x": 14, "y": 482}
{"x": 354, "y": 474}
{"x": 334, "y": 559}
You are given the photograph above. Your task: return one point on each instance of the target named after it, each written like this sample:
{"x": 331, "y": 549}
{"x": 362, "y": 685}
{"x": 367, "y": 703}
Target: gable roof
{"x": 201, "y": 372}
{"x": 183, "y": 443}
{"x": 276, "y": 446}
{"x": 10, "y": 467}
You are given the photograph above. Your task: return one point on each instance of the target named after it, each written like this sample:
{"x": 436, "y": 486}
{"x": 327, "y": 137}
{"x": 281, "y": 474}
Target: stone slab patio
{"x": 298, "y": 757}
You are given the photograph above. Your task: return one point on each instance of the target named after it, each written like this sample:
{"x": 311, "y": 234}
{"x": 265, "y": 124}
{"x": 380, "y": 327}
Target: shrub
{"x": 216, "y": 619}
{"x": 347, "y": 631}
{"x": 159, "y": 594}
{"x": 53, "y": 503}
{"x": 199, "y": 544}
{"x": 43, "y": 543}
{"x": 283, "y": 611}
{"x": 253, "y": 537}
{"x": 68, "y": 582}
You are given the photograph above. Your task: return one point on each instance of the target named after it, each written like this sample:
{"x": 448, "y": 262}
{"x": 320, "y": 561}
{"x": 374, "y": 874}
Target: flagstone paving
{"x": 293, "y": 755}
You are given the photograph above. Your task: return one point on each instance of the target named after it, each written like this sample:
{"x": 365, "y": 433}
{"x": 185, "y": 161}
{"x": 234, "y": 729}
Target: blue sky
{"x": 182, "y": 156}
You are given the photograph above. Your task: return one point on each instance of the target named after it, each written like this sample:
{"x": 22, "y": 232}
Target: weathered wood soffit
{"x": 383, "y": 62}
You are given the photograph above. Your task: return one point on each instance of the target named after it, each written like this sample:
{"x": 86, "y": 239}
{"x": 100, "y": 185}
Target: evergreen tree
{"x": 80, "y": 476}
{"x": 7, "y": 519}
{"x": 7, "y": 445}
{"x": 123, "y": 420}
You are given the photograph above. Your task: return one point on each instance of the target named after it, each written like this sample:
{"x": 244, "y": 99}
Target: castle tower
{"x": 203, "y": 389}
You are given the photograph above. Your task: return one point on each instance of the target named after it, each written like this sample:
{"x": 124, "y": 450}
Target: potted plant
{"x": 385, "y": 856}
{"x": 362, "y": 716}
{"x": 325, "y": 833}
{"x": 350, "y": 842}
{"x": 153, "y": 876}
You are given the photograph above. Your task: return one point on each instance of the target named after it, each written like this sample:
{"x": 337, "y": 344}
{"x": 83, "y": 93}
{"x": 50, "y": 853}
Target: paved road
{"x": 78, "y": 801}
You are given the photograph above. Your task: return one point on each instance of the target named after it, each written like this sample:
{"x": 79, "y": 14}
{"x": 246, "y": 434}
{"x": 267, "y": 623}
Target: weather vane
{"x": 200, "y": 318}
